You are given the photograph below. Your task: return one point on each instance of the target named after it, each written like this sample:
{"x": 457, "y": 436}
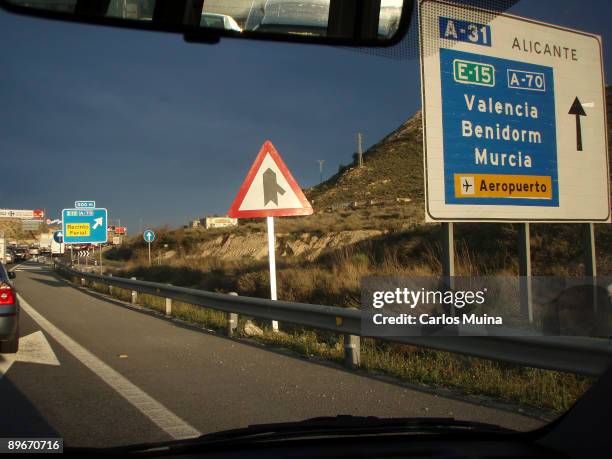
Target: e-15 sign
{"x": 468, "y": 72}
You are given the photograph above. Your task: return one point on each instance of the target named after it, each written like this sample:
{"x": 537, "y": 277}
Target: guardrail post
{"x": 110, "y": 287}
{"x": 82, "y": 282}
{"x": 134, "y": 293}
{"x": 352, "y": 351}
{"x": 232, "y": 320}
{"x": 168, "y": 306}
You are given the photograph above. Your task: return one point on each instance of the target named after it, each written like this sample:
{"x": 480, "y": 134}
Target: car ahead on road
{"x": 20, "y": 254}
{"x": 9, "y": 313}
{"x": 8, "y": 257}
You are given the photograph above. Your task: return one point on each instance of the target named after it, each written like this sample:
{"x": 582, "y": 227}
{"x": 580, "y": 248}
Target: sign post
{"x": 149, "y": 236}
{"x": 269, "y": 190}
{"x": 514, "y": 124}
{"x": 272, "y": 260}
{"x": 84, "y": 224}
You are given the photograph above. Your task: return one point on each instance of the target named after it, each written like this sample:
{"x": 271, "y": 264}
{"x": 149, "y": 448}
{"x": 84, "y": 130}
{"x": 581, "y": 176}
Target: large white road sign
{"x": 514, "y": 118}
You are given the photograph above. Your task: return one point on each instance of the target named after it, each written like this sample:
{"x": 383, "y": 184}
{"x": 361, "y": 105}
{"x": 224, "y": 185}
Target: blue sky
{"x": 156, "y": 129}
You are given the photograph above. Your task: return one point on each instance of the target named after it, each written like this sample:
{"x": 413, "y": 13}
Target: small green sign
{"x": 468, "y": 72}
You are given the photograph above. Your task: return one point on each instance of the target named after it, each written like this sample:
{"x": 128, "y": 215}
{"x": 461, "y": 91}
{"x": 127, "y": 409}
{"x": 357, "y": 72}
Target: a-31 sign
{"x": 514, "y": 118}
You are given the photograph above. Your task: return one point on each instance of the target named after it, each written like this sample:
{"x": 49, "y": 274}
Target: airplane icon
{"x": 466, "y": 184}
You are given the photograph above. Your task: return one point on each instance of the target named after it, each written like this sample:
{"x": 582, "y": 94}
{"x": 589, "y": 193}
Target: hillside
{"x": 393, "y": 168}
{"x": 12, "y": 229}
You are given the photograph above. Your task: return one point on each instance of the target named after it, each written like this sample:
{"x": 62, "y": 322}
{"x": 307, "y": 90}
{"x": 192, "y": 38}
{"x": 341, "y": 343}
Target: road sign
{"x": 269, "y": 189}
{"x": 83, "y": 253}
{"x": 85, "y": 204}
{"x": 22, "y": 214}
{"x": 84, "y": 226}
{"x": 514, "y": 118}
{"x": 30, "y": 225}
{"x": 148, "y": 236}
{"x": 58, "y": 237}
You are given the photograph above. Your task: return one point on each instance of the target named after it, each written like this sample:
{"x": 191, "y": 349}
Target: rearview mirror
{"x": 12, "y": 274}
{"x": 346, "y": 22}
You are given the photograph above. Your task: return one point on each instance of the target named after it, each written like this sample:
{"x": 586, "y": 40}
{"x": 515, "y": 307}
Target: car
{"x": 219, "y": 21}
{"x": 9, "y": 313}
{"x": 20, "y": 254}
{"x": 8, "y": 257}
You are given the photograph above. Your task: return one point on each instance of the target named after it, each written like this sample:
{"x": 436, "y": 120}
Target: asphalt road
{"x": 111, "y": 375}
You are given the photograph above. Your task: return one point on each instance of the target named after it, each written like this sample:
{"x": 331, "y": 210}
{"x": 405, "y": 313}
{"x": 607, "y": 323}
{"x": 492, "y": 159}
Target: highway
{"x": 100, "y": 373}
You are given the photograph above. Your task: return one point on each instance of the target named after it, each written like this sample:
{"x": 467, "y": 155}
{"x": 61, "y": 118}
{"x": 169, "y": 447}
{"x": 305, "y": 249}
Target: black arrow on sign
{"x": 271, "y": 188}
{"x": 578, "y": 110}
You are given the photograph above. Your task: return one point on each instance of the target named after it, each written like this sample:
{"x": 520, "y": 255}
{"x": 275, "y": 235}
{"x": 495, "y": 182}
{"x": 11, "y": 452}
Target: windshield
{"x": 139, "y": 157}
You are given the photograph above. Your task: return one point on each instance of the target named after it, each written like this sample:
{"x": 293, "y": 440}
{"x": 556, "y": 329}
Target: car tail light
{"x": 6, "y": 294}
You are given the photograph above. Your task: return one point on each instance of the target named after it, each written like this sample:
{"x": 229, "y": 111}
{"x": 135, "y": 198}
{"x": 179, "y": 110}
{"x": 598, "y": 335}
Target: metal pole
{"x": 321, "y": 162}
{"x": 448, "y": 257}
{"x": 149, "y": 254}
{"x": 590, "y": 258}
{"x": 448, "y": 250}
{"x": 525, "y": 272}
{"x": 272, "y": 259}
{"x": 100, "y": 258}
{"x": 359, "y": 150}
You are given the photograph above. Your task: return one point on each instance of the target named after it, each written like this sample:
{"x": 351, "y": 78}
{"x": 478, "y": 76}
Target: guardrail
{"x": 588, "y": 356}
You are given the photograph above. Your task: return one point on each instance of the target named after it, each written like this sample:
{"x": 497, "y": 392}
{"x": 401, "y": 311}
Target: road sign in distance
{"x": 84, "y": 226}
{"x": 148, "y": 236}
{"x": 58, "y": 237}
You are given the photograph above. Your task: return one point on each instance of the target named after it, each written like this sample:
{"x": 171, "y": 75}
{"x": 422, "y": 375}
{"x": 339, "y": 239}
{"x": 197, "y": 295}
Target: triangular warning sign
{"x": 269, "y": 189}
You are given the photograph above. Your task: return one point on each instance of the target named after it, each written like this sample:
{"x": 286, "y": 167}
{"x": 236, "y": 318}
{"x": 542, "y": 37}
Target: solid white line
{"x": 148, "y": 406}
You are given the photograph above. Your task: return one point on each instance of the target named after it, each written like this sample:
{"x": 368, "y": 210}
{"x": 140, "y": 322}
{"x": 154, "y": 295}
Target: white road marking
{"x": 17, "y": 266}
{"x": 167, "y": 421}
{"x": 31, "y": 268}
{"x": 33, "y": 348}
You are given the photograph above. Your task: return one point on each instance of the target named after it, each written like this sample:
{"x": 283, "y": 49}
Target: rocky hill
{"x": 393, "y": 168}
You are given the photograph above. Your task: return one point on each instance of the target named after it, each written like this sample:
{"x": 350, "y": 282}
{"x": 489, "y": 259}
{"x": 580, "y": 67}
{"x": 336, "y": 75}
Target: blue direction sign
{"x": 84, "y": 226}
{"x": 58, "y": 237}
{"x": 149, "y": 236}
{"x": 498, "y": 118}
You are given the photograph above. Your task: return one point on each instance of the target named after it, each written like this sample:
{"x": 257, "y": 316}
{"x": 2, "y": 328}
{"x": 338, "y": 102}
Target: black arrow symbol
{"x": 271, "y": 188}
{"x": 578, "y": 110}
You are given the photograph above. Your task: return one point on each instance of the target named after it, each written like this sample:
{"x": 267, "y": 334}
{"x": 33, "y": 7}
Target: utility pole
{"x": 321, "y": 162}
{"x": 359, "y": 150}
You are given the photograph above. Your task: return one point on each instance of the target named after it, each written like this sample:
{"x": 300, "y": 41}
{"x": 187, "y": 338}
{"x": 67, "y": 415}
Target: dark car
{"x": 9, "y": 313}
{"x": 20, "y": 254}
